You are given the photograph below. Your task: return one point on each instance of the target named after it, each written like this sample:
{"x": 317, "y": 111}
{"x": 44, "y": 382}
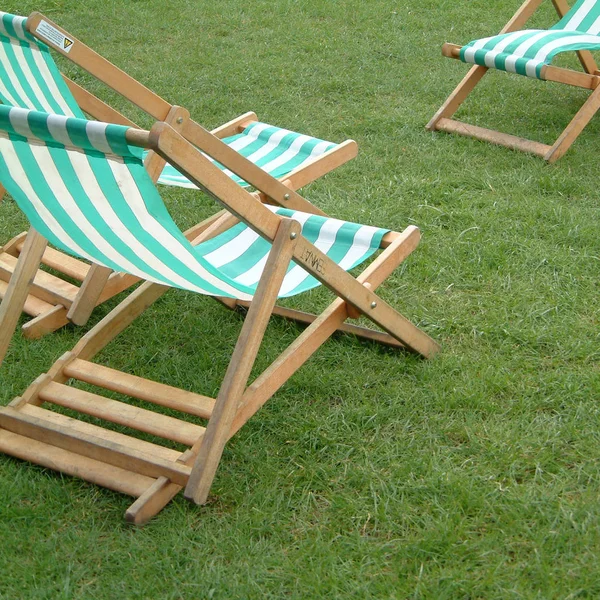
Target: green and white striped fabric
{"x": 85, "y": 189}
{"x": 526, "y": 52}
{"x": 277, "y": 151}
{"x": 29, "y": 78}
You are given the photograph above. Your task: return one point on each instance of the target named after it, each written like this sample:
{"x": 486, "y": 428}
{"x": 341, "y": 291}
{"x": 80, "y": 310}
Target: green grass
{"x": 371, "y": 473}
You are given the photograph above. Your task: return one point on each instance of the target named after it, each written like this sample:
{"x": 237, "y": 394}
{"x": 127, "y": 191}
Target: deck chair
{"x": 29, "y": 78}
{"x": 529, "y": 52}
{"x": 115, "y": 217}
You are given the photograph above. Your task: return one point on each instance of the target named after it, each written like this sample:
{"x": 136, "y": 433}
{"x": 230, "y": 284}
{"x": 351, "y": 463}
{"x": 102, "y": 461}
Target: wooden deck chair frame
{"x": 55, "y": 302}
{"x": 590, "y": 80}
{"x": 150, "y": 472}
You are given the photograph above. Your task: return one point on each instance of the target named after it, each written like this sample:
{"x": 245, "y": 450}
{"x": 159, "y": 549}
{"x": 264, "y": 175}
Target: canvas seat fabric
{"x": 86, "y": 190}
{"x": 526, "y": 52}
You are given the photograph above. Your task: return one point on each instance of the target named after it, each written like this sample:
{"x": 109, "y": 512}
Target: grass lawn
{"x": 371, "y": 474}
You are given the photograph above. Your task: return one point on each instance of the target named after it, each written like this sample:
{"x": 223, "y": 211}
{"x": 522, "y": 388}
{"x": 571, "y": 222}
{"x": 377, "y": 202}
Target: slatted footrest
{"x": 148, "y": 471}
{"x": 70, "y": 463}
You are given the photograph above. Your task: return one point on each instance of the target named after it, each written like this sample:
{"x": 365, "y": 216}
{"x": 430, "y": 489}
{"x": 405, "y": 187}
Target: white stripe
{"x": 252, "y": 276}
{"x": 232, "y": 249}
{"x": 57, "y": 126}
{"x": 360, "y": 245}
{"x": 564, "y": 41}
{"x": 18, "y": 24}
{"x": 37, "y": 92}
{"x": 18, "y": 174}
{"x": 272, "y": 142}
{"x": 324, "y": 242}
{"x": 45, "y": 73}
{"x": 531, "y": 67}
{"x": 12, "y": 76}
{"x": 595, "y": 27}
{"x": 18, "y": 119}
{"x": 185, "y": 254}
{"x": 288, "y": 155}
{"x": 582, "y": 12}
{"x": 96, "y": 133}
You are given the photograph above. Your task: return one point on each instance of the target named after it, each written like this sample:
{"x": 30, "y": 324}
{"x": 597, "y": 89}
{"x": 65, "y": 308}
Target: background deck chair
{"x": 30, "y": 79}
{"x": 127, "y": 227}
{"x": 529, "y": 52}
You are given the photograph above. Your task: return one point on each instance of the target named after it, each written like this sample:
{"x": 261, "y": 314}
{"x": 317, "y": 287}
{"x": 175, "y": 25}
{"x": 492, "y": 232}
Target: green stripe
{"x": 60, "y": 83}
{"x": 584, "y": 26}
{"x": 10, "y": 53}
{"x": 46, "y": 194}
{"x": 29, "y": 58}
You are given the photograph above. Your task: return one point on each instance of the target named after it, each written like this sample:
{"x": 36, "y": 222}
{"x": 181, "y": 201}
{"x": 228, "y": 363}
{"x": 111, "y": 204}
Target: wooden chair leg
{"x": 472, "y": 78}
{"x": 458, "y": 96}
{"x": 217, "y": 432}
{"x": 18, "y": 288}
{"x": 575, "y": 127}
{"x": 88, "y": 294}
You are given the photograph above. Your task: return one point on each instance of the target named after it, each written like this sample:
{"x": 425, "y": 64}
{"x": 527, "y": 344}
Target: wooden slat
{"x": 323, "y": 164}
{"x": 33, "y": 306}
{"x": 570, "y": 77}
{"x": 15, "y": 245}
{"x": 357, "y": 330}
{"x": 138, "y": 387}
{"x": 234, "y": 126}
{"x": 157, "y": 496}
{"x": 123, "y": 414}
{"x": 152, "y": 501}
{"x": 105, "y": 71}
{"x": 217, "y": 432}
{"x": 45, "y": 286}
{"x": 19, "y": 286}
{"x": 95, "y": 107}
{"x": 47, "y": 322}
{"x": 52, "y": 457}
{"x": 122, "y": 439}
{"x": 70, "y": 266}
{"x": 92, "y": 446}
{"x": 495, "y": 137}
{"x": 88, "y": 294}
{"x": 295, "y": 355}
{"x": 190, "y": 162}
{"x": 575, "y": 127}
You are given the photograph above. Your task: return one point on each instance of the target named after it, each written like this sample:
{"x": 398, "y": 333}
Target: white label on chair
{"x": 54, "y": 36}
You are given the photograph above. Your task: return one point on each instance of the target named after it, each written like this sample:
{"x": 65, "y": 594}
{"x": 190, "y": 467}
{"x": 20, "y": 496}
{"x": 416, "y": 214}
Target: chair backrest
{"x": 85, "y": 189}
{"x": 29, "y": 77}
{"x": 584, "y": 17}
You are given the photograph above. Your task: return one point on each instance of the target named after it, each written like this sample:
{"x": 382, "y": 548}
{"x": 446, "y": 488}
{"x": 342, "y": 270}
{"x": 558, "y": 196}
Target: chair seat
{"x": 277, "y": 151}
{"x": 526, "y": 52}
{"x": 240, "y": 254}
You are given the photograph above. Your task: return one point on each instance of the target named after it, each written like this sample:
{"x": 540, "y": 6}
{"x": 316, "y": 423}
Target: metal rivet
{"x": 293, "y": 235}
{"x": 373, "y": 304}
{"x": 286, "y": 197}
{"x": 180, "y": 120}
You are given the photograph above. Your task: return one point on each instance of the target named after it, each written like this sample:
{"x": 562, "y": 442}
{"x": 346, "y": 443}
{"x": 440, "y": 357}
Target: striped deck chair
{"x": 83, "y": 186}
{"x": 529, "y": 52}
{"x": 29, "y": 78}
